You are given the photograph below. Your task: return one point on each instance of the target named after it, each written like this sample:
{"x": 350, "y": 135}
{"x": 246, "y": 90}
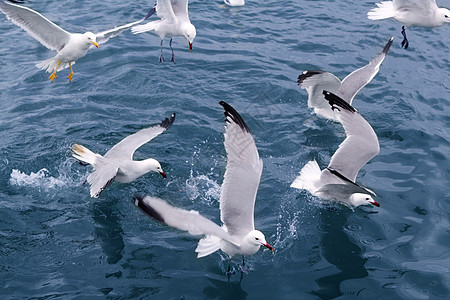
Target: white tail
{"x": 309, "y": 177}
{"x": 84, "y": 154}
{"x": 49, "y": 65}
{"x": 384, "y": 10}
{"x": 207, "y": 245}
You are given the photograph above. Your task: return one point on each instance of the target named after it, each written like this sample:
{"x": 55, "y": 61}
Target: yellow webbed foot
{"x": 53, "y": 76}
{"x": 70, "y": 77}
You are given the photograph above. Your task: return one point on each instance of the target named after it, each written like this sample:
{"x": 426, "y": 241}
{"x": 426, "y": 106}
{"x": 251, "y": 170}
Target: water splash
{"x": 203, "y": 188}
{"x": 41, "y": 179}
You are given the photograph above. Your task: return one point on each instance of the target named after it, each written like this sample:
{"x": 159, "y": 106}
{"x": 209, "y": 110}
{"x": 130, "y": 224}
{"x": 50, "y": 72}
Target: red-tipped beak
{"x": 268, "y": 247}
{"x": 190, "y": 46}
{"x": 375, "y": 203}
{"x": 163, "y": 174}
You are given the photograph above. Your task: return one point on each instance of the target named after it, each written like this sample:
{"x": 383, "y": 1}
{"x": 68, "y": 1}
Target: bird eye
{"x": 446, "y": 16}
{"x": 367, "y": 198}
{"x": 257, "y": 239}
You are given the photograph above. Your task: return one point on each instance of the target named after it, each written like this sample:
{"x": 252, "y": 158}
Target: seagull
{"x": 118, "y": 164}
{"x": 423, "y": 13}
{"x": 70, "y": 46}
{"x": 337, "y": 181}
{"x": 174, "y": 22}
{"x": 237, "y": 235}
{"x": 316, "y": 81}
{"x": 234, "y": 2}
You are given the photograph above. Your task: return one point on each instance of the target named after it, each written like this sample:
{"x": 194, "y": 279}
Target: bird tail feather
{"x": 51, "y": 64}
{"x": 384, "y": 10}
{"x": 84, "y": 154}
{"x": 308, "y": 178}
{"x": 207, "y": 245}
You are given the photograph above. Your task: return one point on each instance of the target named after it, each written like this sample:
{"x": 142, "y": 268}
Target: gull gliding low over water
{"x": 316, "y": 81}
{"x": 234, "y": 2}
{"x": 237, "y": 235}
{"x": 70, "y": 46}
{"x": 118, "y": 164}
{"x": 423, "y": 13}
{"x": 174, "y": 21}
{"x": 337, "y": 181}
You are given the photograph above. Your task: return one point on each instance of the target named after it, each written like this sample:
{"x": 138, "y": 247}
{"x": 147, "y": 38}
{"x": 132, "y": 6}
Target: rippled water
{"x": 57, "y": 242}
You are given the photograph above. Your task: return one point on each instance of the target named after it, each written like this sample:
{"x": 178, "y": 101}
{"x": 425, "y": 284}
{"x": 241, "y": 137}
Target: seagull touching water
{"x": 70, "y": 46}
{"x": 424, "y": 13}
{"x": 174, "y": 22}
{"x": 237, "y": 235}
{"x": 316, "y": 81}
{"x": 118, "y": 164}
{"x": 337, "y": 181}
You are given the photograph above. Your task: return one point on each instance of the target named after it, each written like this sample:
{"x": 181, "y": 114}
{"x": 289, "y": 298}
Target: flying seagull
{"x": 174, "y": 21}
{"x": 118, "y": 164}
{"x": 70, "y": 46}
{"x": 237, "y": 235}
{"x": 316, "y": 81}
{"x": 423, "y": 13}
{"x": 337, "y": 181}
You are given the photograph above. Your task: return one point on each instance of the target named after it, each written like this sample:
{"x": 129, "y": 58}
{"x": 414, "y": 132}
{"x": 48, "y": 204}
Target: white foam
{"x": 40, "y": 179}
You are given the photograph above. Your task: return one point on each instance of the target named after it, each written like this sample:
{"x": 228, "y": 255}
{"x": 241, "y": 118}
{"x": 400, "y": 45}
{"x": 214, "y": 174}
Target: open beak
{"x": 163, "y": 174}
{"x": 190, "y": 46}
{"x": 95, "y": 44}
{"x": 375, "y": 203}
{"x": 268, "y": 246}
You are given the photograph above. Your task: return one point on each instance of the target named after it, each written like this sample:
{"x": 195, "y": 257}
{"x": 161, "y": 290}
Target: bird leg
{"x": 53, "y": 76}
{"x": 161, "y": 58}
{"x": 244, "y": 269}
{"x": 71, "y": 73}
{"x": 405, "y": 42}
{"x": 173, "y": 55}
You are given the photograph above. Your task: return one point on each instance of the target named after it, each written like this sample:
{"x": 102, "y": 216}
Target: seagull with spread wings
{"x": 337, "y": 181}
{"x": 118, "y": 164}
{"x": 316, "y": 81}
{"x": 70, "y": 46}
{"x": 237, "y": 235}
{"x": 174, "y": 21}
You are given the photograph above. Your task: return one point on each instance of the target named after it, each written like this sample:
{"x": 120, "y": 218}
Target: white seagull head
{"x": 189, "y": 33}
{"x": 91, "y": 37}
{"x": 153, "y": 165}
{"x": 255, "y": 239}
{"x": 358, "y": 199}
{"x": 444, "y": 15}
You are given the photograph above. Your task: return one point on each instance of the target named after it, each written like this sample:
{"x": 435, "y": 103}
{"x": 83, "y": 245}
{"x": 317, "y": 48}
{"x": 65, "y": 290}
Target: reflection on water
{"x": 340, "y": 251}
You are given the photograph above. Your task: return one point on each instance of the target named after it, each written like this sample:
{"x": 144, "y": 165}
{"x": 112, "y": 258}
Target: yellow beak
{"x": 95, "y": 44}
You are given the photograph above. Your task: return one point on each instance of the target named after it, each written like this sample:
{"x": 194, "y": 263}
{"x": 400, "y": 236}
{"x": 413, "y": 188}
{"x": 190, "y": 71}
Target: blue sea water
{"x": 57, "y": 242}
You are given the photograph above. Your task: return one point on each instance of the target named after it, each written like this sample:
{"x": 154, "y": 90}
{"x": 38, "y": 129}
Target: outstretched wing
{"x": 358, "y": 79}
{"x": 102, "y": 176}
{"x": 180, "y": 9}
{"x": 242, "y": 175}
{"x": 190, "y": 221}
{"x": 164, "y": 10}
{"x": 104, "y": 36}
{"x": 361, "y": 143}
{"x": 126, "y": 147}
{"x": 46, "y": 32}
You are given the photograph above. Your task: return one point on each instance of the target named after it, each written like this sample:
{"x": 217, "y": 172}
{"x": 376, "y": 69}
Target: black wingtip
{"x": 388, "y": 46}
{"x": 167, "y": 122}
{"x": 307, "y": 74}
{"x": 337, "y": 101}
{"x": 139, "y": 202}
{"x": 150, "y": 13}
{"x": 234, "y": 115}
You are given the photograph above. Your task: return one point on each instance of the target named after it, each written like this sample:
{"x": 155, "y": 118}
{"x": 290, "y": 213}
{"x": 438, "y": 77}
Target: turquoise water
{"x": 57, "y": 242}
